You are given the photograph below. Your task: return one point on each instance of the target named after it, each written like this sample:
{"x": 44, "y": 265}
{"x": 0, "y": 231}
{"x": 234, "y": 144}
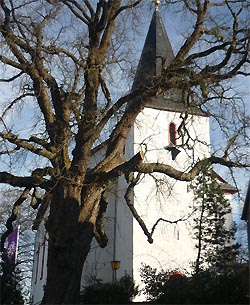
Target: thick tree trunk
{"x": 65, "y": 268}
{"x": 69, "y": 244}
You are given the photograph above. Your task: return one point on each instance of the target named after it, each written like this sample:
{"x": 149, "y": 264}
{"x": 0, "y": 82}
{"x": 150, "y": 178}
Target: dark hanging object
{"x": 174, "y": 151}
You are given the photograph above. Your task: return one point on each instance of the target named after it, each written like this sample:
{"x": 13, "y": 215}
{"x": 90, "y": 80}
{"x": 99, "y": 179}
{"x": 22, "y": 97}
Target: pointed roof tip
{"x": 157, "y": 3}
{"x": 163, "y": 45}
{"x": 157, "y": 51}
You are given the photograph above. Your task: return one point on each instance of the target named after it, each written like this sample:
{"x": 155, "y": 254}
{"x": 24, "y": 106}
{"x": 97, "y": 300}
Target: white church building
{"x": 164, "y": 204}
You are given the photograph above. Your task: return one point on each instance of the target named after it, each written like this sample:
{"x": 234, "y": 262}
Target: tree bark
{"x": 69, "y": 244}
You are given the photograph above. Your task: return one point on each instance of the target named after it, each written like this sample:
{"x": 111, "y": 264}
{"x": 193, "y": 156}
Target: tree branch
{"x": 15, "y": 101}
{"x": 126, "y": 7}
{"x": 113, "y": 173}
{"x": 28, "y": 182}
{"x": 41, "y": 211}
{"x": 197, "y": 32}
{"x": 84, "y": 18}
{"x": 11, "y": 78}
{"x": 12, "y": 138}
{"x": 99, "y": 232}
{"x": 169, "y": 221}
{"x": 128, "y": 195}
{"x": 148, "y": 168}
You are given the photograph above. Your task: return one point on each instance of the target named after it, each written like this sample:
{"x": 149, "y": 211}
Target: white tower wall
{"x": 158, "y": 196}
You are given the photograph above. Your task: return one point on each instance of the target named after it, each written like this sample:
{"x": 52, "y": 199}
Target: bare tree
{"x": 60, "y": 61}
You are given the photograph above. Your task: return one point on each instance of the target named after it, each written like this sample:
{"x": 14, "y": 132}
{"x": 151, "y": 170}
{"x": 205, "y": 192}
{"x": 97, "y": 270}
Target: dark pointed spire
{"x": 157, "y": 53}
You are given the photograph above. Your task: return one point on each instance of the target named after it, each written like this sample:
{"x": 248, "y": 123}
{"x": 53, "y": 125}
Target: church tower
{"x": 164, "y": 204}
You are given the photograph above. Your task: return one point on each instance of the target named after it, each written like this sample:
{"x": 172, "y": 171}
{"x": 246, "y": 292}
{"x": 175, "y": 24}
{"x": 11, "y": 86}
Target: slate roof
{"x": 156, "y": 48}
{"x": 224, "y": 185}
{"x": 157, "y": 53}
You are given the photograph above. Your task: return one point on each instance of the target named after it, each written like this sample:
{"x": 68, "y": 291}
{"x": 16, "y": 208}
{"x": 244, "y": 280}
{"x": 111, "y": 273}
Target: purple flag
{"x": 12, "y": 245}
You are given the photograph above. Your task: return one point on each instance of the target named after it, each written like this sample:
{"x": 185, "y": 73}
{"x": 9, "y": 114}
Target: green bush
{"x": 121, "y": 292}
{"x": 208, "y": 287}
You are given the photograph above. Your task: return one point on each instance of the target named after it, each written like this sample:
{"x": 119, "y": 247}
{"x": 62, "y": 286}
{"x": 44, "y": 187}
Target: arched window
{"x": 172, "y": 133}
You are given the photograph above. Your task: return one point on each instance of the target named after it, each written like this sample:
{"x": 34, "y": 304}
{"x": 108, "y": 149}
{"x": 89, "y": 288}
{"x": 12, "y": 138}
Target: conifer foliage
{"x": 216, "y": 278}
{"x": 212, "y": 225}
{"x": 10, "y": 283}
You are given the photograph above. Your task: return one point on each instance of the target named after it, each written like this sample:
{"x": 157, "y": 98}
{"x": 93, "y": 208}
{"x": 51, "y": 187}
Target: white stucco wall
{"x": 39, "y": 273}
{"x": 160, "y": 196}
